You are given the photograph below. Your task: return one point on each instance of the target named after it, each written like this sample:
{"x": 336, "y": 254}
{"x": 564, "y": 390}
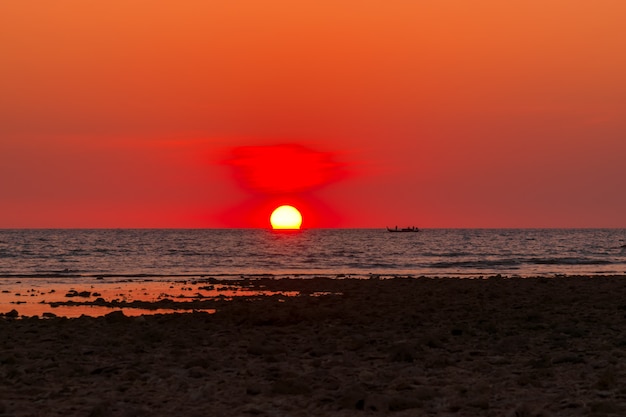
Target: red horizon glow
{"x": 451, "y": 113}
{"x": 255, "y": 210}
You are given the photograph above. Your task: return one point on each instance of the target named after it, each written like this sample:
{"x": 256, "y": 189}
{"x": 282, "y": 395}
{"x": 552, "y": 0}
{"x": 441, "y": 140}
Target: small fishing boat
{"x": 405, "y": 229}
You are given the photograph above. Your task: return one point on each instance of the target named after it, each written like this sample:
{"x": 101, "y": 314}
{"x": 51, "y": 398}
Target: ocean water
{"x": 225, "y": 253}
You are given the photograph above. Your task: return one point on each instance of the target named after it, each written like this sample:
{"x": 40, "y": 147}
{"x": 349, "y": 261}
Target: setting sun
{"x": 286, "y": 217}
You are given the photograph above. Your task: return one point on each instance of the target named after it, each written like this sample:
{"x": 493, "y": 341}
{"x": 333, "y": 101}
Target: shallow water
{"x": 97, "y": 297}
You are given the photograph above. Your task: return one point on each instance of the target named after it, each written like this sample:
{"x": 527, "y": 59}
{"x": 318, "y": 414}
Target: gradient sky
{"x": 447, "y": 113}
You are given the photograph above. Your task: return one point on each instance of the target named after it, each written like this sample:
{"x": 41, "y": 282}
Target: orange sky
{"x": 449, "y": 113}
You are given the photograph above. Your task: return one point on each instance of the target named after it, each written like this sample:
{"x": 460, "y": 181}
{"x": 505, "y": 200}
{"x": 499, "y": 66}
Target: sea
{"x": 72, "y": 255}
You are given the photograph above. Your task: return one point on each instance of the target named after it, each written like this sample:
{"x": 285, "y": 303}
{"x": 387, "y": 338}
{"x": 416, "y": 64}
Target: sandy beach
{"x": 341, "y": 347}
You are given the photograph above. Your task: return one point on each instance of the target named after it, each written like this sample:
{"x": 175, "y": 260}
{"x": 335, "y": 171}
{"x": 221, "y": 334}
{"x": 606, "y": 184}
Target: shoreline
{"x": 141, "y": 295}
{"x": 402, "y": 347}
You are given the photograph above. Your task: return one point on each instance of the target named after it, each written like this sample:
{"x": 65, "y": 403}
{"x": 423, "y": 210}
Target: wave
{"x": 516, "y": 263}
{"x": 569, "y": 261}
{"x": 447, "y": 254}
{"x": 479, "y": 264}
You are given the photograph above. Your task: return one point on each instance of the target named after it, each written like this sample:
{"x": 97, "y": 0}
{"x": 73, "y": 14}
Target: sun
{"x": 286, "y": 218}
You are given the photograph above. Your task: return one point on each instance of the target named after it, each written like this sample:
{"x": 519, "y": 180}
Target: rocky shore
{"x": 401, "y": 347}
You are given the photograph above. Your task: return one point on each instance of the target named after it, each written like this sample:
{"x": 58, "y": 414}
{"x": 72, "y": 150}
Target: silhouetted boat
{"x": 405, "y": 229}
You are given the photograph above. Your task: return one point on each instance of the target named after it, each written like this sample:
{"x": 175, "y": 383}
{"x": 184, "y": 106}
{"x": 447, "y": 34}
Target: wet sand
{"x": 402, "y": 347}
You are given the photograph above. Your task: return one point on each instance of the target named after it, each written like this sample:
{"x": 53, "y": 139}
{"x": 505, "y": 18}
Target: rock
{"x": 132, "y": 411}
{"x": 253, "y": 390}
{"x": 196, "y": 372}
{"x": 456, "y": 332}
{"x": 403, "y": 352}
{"x": 376, "y": 402}
{"x": 354, "y": 342}
{"x": 101, "y": 410}
{"x": 400, "y": 402}
{"x": 356, "y": 398}
{"x": 424, "y": 393}
{"x": 527, "y": 410}
{"x": 252, "y": 410}
{"x": 74, "y": 293}
{"x": 13, "y": 314}
{"x": 352, "y": 398}
{"x": 291, "y": 386}
{"x": 115, "y": 317}
{"x": 263, "y": 348}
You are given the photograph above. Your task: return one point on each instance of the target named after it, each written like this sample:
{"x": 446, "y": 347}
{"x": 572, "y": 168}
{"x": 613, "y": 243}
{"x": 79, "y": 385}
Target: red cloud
{"x": 283, "y": 169}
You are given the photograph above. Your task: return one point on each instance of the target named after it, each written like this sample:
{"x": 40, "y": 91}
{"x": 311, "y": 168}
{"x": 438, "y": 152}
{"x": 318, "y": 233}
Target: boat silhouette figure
{"x": 403, "y": 230}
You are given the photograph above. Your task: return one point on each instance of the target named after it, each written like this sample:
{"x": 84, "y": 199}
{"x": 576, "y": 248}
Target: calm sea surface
{"x": 72, "y": 254}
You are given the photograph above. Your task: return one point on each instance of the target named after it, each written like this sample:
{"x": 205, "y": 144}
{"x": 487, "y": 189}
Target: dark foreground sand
{"x": 401, "y": 347}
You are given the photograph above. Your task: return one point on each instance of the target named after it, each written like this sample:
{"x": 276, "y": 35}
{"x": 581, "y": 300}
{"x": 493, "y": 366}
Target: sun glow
{"x": 286, "y": 218}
